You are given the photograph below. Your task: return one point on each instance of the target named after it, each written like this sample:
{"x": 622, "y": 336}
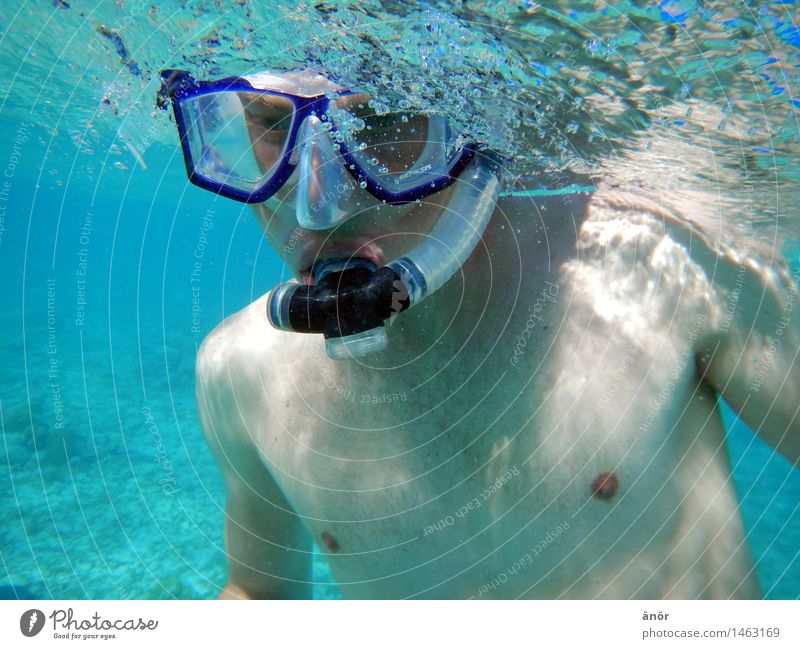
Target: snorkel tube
{"x": 352, "y": 298}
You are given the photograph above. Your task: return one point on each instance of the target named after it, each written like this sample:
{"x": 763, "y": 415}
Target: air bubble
{"x": 362, "y": 184}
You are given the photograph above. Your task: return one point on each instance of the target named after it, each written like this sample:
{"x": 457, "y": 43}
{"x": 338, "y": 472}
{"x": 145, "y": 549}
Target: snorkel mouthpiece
{"x": 352, "y": 298}
{"x": 348, "y": 305}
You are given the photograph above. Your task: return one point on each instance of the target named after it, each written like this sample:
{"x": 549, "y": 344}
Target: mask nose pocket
{"x": 326, "y": 192}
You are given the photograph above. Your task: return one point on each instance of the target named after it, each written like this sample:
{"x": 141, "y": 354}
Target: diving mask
{"x": 243, "y": 137}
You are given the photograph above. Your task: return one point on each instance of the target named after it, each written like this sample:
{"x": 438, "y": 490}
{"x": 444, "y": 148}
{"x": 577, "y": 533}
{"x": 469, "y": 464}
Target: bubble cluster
{"x": 553, "y": 88}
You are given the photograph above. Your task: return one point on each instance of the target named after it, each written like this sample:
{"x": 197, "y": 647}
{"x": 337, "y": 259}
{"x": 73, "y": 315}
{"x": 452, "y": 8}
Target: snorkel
{"x": 352, "y": 299}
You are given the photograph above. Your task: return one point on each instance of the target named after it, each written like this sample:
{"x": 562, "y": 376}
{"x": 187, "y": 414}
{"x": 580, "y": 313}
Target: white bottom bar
{"x": 403, "y": 624}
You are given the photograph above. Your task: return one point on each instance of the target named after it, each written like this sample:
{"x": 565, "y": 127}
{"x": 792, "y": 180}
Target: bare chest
{"x": 544, "y": 460}
{"x": 574, "y": 453}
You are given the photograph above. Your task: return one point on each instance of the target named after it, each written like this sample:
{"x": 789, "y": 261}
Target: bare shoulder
{"x": 239, "y": 362}
{"x": 628, "y": 215}
{"x": 682, "y": 252}
{"x": 246, "y": 332}
{"x": 697, "y": 227}
{"x": 642, "y": 269}
{"x": 245, "y": 346}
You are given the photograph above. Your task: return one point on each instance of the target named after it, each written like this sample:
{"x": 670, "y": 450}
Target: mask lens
{"x": 237, "y": 139}
{"x": 399, "y": 150}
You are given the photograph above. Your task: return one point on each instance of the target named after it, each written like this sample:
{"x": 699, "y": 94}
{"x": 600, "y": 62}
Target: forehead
{"x": 254, "y": 101}
{"x": 304, "y": 83}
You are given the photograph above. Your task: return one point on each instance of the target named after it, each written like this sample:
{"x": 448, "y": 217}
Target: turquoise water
{"x": 108, "y": 489}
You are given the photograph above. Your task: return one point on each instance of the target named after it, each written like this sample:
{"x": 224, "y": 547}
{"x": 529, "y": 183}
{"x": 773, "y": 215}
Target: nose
{"x": 326, "y": 192}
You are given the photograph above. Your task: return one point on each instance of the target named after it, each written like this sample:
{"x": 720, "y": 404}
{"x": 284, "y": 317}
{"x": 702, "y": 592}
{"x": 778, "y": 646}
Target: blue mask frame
{"x": 179, "y": 86}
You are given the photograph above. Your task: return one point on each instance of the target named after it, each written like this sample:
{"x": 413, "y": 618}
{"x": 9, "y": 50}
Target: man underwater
{"x": 519, "y": 397}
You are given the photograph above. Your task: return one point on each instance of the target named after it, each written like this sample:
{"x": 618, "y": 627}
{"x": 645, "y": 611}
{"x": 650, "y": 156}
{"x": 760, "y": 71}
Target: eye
{"x": 268, "y": 112}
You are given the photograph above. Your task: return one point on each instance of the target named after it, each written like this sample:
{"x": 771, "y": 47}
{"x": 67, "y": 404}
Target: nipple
{"x": 605, "y": 485}
{"x": 329, "y": 541}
